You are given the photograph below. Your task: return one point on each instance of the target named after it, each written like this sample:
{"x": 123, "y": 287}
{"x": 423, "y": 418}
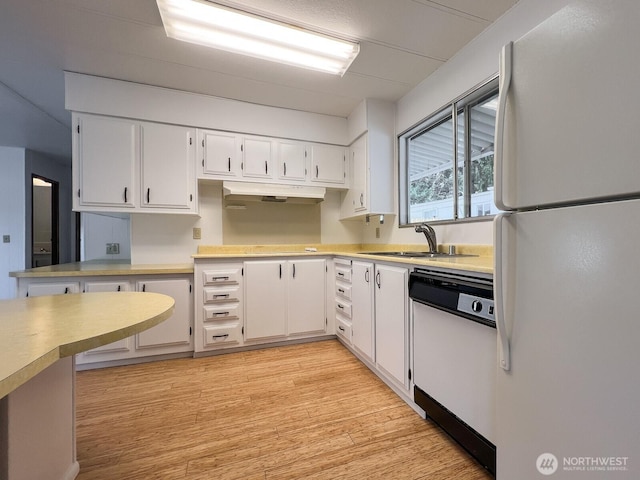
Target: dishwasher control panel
{"x": 476, "y": 306}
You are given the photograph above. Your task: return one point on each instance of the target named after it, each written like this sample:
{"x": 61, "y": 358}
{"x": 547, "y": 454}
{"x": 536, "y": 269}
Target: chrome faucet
{"x": 430, "y": 233}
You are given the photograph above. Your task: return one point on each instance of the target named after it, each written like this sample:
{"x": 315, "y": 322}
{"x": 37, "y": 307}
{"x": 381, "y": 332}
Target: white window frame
{"x": 448, "y": 112}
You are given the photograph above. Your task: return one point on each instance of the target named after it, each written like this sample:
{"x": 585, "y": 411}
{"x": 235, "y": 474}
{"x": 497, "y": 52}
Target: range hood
{"x": 269, "y": 192}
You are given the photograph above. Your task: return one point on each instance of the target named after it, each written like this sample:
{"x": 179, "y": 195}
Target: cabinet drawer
{"x": 222, "y": 334}
{"x": 343, "y": 290}
{"x": 343, "y": 308}
{"x": 222, "y": 276}
{"x": 343, "y": 329}
{"x": 228, "y": 311}
{"x": 343, "y": 273}
{"x": 221, "y": 294}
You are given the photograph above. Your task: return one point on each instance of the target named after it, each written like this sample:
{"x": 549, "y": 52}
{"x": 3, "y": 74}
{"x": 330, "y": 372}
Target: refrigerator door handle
{"x": 505, "y": 84}
{"x": 499, "y": 297}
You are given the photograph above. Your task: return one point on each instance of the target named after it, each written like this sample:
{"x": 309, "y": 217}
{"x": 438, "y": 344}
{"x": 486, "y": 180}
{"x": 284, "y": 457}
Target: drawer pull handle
{"x": 341, "y": 290}
{"x": 221, "y": 295}
{"x": 340, "y": 307}
{"x": 340, "y": 274}
{"x": 221, "y": 314}
{"x": 219, "y": 279}
{"x": 341, "y": 329}
{"x": 220, "y": 336}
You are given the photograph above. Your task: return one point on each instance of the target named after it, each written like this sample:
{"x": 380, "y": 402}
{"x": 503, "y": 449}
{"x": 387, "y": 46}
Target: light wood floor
{"x": 309, "y": 411}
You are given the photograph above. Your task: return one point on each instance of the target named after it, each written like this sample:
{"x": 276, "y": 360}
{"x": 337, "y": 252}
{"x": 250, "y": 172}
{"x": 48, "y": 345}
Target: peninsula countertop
{"x": 102, "y": 268}
{"x": 36, "y": 332}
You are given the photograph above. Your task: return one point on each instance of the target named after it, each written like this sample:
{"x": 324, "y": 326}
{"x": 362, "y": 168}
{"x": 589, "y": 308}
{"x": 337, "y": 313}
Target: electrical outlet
{"x": 377, "y": 232}
{"x": 6, "y": 239}
{"x": 113, "y": 248}
{"x": 197, "y": 233}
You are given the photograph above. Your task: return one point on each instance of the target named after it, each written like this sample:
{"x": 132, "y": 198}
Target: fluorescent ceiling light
{"x": 215, "y": 26}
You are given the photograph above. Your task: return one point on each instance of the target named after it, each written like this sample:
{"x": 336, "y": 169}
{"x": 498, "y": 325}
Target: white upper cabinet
{"x": 257, "y": 157}
{"x": 106, "y": 155}
{"x": 219, "y": 154}
{"x": 328, "y": 164}
{"x": 371, "y": 161}
{"x": 168, "y": 162}
{"x": 120, "y": 165}
{"x": 292, "y": 161}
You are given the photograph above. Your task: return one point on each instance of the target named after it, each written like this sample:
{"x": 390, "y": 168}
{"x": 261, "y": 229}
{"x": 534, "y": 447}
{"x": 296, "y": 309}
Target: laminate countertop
{"x": 480, "y": 259}
{"x": 36, "y": 332}
{"x": 103, "y": 268}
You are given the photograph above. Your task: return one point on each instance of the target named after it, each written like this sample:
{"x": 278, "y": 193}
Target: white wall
{"x": 84, "y": 93}
{"x": 474, "y": 64}
{"x": 12, "y": 217}
{"x": 98, "y": 229}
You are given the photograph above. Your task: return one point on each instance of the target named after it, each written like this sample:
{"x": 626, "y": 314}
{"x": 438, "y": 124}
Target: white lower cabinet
{"x": 124, "y": 345}
{"x": 219, "y": 315}
{"x": 372, "y": 316}
{"x": 306, "y": 297}
{"x": 258, "y": 301}
{"x": 52, "y": 288}
{"x": 392, "y": 322}
{"x": 173, "y": 336}
{"x": 284, "y": 298}
{"x": 342, "y": 298}
{"x": 362, "y": 333}
{"x": 265, "y": 299}
{"x": 176, "y": 330}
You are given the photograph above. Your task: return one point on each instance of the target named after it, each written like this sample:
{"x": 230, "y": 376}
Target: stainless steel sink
{"x": 420, "y": 254}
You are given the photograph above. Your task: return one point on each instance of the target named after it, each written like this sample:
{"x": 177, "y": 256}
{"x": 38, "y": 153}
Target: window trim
{"x": 450, "y": 110}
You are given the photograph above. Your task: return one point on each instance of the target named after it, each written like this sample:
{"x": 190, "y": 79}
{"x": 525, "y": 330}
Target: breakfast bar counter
{"x": 38, "y": 338}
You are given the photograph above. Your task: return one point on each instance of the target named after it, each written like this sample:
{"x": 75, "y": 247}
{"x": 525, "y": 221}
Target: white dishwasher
{"x": 454, "y": 366}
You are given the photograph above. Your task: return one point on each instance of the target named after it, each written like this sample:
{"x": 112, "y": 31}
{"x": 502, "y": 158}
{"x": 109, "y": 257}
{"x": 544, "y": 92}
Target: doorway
{"x": 45, "y": 222}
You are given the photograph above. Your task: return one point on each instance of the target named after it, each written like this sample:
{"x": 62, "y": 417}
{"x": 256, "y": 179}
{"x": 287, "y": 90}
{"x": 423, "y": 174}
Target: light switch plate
{"x": 6, "y": 239}
{"x": 197, "y": 233}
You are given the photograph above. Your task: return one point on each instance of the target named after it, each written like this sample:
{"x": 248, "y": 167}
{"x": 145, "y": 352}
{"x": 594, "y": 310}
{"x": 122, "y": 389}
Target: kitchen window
{"x": 440, "y": 182}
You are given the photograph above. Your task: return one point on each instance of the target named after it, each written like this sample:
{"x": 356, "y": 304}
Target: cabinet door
{"x": 53, "y": 288}
{"x": 168, "y": 163}
{"x": 360, "y": 177}
{"x": 306, "y": 294}
{"x": 265, "y": 299}
{"x": 122, "y": 345}
{"x": 220, "y": 154}
{"x": 257, "y": 155}
{"x": 362, "y": 308}
{"x": 391, "y": 322}
{"x": 105, "y": 156}
{"x": 328, "y": 164}
{"x": 292, "y": 159}
{"x": 176, "y": 330}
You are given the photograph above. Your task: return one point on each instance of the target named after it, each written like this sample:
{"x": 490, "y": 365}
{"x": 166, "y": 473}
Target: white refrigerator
{"x": 567, "y": 250}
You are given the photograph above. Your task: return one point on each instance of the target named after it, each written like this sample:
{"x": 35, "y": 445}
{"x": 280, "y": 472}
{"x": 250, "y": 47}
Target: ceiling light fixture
{"x": 205, "y": 23}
